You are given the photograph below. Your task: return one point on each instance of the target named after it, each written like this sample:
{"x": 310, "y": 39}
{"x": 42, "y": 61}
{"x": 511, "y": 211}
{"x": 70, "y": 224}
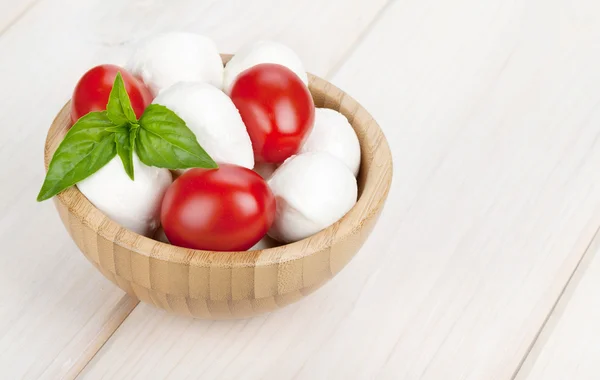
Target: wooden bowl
{"x": 221, "y": 285}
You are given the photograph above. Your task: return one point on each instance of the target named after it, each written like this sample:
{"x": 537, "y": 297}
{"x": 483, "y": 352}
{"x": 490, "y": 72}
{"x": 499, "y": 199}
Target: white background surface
{"x": 479, "y": 267}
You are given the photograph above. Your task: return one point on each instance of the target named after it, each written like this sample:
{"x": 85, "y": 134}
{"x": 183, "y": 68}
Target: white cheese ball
{"x": 213, "y": 118}
{"x": 312, "y": 190}
{"x": 262, "y": 52}
{"x": 166, "y": 59}
{"x": 333, "y": 134}
{"x": 135, "y": 205}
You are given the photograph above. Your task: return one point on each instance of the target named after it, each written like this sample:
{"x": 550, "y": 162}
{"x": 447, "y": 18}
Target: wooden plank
{"x": 568, "y": 345}
{"x": 491, "y": 110}
{"x": 12, "y": 11}
{"x": 56, "y": 309}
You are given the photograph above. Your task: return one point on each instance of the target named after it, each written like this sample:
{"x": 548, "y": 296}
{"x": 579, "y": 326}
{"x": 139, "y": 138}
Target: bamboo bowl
{"x": 223, "y": 285}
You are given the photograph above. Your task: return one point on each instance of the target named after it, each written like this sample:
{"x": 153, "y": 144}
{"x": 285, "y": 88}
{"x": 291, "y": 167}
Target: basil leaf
{"x": 123, "y": 139}
{"x": 133, "y": 132}
{"x": 119, "y": 108}
{"x": 86, "y": 148}
{"x": 118, "y": 128}
{"x": 165, "y": 141}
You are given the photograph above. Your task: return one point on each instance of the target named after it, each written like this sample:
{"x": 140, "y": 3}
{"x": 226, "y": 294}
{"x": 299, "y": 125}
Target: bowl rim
{"x": 369, "y": 202}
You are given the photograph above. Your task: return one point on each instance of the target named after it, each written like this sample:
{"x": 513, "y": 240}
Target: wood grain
{"x": 568, "y": 345}
{"x": 223, "y": 285}
{"x": 13, "y": 11}
{"x": 55, "y": 306}
{"x": 491, "y": 112}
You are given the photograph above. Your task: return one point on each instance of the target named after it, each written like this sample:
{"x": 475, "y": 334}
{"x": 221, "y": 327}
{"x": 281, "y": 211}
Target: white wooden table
{"x": 484, "y": 264}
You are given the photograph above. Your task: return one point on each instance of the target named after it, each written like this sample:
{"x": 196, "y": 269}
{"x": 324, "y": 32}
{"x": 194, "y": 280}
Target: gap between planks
{"x": 359, "y": 40}
{"x": 19, "y": 16}
{"x": 120, "y": 312}
{"x": 560, "y": 305}
{"x": 127, "y": 303}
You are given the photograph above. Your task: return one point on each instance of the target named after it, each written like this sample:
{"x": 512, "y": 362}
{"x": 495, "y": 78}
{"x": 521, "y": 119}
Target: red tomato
{"x": 277, "y": 109}
{"x": 226, "y": 209}
{"x": 93, "y": 89}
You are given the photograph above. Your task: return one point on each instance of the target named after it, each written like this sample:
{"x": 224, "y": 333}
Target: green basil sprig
{"x": 160, "y": 138}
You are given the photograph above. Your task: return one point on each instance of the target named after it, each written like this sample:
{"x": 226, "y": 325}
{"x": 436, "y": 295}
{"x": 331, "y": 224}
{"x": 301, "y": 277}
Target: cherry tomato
{"x": 277, "y": 109}
{"x": 226, "y": 209}
{"x": 93, "y": 89}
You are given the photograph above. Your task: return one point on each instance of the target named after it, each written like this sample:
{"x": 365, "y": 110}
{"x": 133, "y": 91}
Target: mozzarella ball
{"x": 212, "y": 116}
{"x": 333, "y": 134}
{"x": 312, "y": 190}
{"x": 166, "y": 59}
{"x": 133, "y": 204}
{"x": 262, "y": 52}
